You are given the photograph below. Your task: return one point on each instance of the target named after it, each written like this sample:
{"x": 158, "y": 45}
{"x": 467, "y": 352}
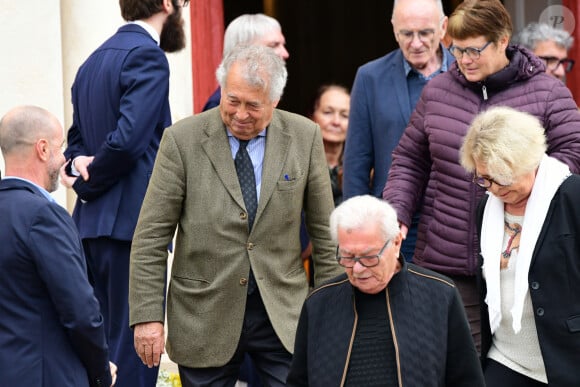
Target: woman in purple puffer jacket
{"x": 426, "y": 174}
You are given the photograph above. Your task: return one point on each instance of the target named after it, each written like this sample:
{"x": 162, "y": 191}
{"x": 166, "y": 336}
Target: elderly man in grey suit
{"x": 234, "y": 181}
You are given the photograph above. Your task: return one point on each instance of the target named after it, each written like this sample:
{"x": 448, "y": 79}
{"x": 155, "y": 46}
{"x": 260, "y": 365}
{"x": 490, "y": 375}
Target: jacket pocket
{"x": 573, "y": 324}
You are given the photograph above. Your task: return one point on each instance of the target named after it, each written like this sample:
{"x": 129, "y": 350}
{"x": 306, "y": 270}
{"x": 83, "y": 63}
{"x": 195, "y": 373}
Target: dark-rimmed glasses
{"x": 365, "y": 260}
{"x": 472, "y": 52}
{"x": 486, "y": 182}
{"x": 552, "y": 63}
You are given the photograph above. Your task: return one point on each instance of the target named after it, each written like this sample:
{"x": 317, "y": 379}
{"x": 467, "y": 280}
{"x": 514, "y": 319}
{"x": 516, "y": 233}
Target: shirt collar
{"x": 444, "y": 65}
{"x": 147, "y": 27}
{"x": 261, "y": 134}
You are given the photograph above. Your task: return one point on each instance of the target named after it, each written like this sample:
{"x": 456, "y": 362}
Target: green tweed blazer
{"x": 194, "y": 189}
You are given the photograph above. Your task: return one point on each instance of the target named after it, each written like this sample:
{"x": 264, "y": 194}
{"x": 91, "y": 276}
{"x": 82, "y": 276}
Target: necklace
{"x": 514, "y": 232}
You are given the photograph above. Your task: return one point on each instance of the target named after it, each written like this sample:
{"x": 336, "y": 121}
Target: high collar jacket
{"x": 433, "y": 344}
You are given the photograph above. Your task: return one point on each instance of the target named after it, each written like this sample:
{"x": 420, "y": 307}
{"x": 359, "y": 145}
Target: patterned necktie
{"x": 245, "y": 171}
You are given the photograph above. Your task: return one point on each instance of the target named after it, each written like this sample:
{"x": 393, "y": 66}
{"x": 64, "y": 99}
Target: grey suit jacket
{"x": 194, "y": 186}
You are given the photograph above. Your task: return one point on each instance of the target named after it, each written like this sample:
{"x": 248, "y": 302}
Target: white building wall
{"x": 31, "y": 59}
{"x": 43, "y": 43}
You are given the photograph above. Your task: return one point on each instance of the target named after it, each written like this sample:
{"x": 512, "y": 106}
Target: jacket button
{"x": 243, "y": 215}
{"x": 250, "y": 246}
{"x": 535, "y": 285}
{"x": 540, "y": 311}
{"x": 243, "y": 281}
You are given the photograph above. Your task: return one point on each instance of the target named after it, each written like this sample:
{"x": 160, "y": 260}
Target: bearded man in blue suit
{"x": 121, "y": 107}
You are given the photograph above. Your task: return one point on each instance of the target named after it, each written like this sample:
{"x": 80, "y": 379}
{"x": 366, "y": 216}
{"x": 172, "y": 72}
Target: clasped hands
{"x": 81, "y": 164}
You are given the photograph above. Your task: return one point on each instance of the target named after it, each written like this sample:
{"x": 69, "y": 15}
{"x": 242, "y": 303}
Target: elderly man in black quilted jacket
{"x": 385, "y": 322}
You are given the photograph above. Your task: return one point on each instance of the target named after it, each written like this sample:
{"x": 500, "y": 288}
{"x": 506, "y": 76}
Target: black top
{"x": 336, "y": 184}
{"x": 372, "y": 362}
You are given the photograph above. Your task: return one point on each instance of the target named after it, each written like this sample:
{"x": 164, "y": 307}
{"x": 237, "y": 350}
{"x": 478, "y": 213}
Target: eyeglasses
{"x": 486, "y": 182}
{"x": 552, "y": 63}
{"x": 472, "y": 52}
{"x": 365, "y": 260}
{"x": 424, "y": 36}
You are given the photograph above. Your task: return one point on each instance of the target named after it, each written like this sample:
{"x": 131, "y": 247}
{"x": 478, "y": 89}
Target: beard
{"x": 172, "y": 37}
{"x": 53, "y": 174}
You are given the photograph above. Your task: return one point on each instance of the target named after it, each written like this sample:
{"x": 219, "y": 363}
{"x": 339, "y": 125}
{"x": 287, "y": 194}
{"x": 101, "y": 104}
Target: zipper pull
{"x": 484, "y": 90}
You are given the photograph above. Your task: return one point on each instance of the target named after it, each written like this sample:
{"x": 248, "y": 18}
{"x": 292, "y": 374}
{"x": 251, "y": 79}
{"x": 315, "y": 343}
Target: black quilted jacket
{"x": 433, "y": 343}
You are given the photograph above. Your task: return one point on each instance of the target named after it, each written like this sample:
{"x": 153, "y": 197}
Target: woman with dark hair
{"x": 331, "y": 109}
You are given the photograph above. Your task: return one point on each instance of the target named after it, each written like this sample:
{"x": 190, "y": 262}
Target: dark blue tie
{"x": 247, "y": 180}
{"x": 245, "y": 171}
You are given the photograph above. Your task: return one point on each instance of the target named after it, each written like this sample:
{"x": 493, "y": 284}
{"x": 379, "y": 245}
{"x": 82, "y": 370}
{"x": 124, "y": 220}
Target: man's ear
{"x": 168, "y": 6}
{"x": 444, "y": 23}
{"x": 398, "y": 239}
{"x": 42, "y": 148}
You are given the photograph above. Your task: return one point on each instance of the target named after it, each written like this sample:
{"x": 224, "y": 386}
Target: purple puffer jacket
{"x": 426, "y": 170}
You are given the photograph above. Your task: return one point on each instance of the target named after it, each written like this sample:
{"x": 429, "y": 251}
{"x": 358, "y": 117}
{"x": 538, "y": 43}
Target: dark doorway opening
{"x": 327, "y": 40}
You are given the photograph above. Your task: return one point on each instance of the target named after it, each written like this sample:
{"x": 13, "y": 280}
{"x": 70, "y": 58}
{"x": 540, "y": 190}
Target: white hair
{"x": 362, "y": 211}
{"x": 248, "y": 28}
{"x": 261, "y": 67}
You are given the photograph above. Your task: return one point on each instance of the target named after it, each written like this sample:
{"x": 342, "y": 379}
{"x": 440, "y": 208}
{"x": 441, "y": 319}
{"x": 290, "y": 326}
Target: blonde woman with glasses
{"x": 529, "y": 224}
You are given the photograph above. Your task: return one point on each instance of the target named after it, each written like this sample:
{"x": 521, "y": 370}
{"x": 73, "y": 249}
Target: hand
{"x": 113, "y": 369}
{"x": 65, "y": 179}
{"x": 81, "y": 164}
{"x": 404, "y": 230}
{"x": 149, "y": 342}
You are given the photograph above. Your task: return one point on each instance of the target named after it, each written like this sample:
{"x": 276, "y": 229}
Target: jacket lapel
{"x": 217, "y": 148}
{"x": 399, "y": 80}
{"x": 277, "y": 146}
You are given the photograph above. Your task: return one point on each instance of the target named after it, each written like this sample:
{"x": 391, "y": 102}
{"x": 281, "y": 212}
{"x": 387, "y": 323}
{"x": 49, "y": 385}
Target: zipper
{"x": 484, "y": 90}
{"x": 345, "y": 370}
{"x": 394, "y": 335}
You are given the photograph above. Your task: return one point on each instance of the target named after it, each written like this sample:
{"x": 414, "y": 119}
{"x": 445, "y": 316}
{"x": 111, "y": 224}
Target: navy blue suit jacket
{"x": 213, "y": 100}
{"x": 379, "y": 114}
{"x": 51, "y": 329}
{"x": 121, "y": 108}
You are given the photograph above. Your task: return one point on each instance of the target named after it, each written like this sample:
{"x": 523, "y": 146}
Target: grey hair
{"x": 24, "y": 125}
{"x": 260, "y": 67}
{"x": 509, "y": 142}
{"x": 362, "y": 211}
{"x": 438, "y": 2}
{"x": 248, "y": 28}
{"x": 535, "y": 33}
